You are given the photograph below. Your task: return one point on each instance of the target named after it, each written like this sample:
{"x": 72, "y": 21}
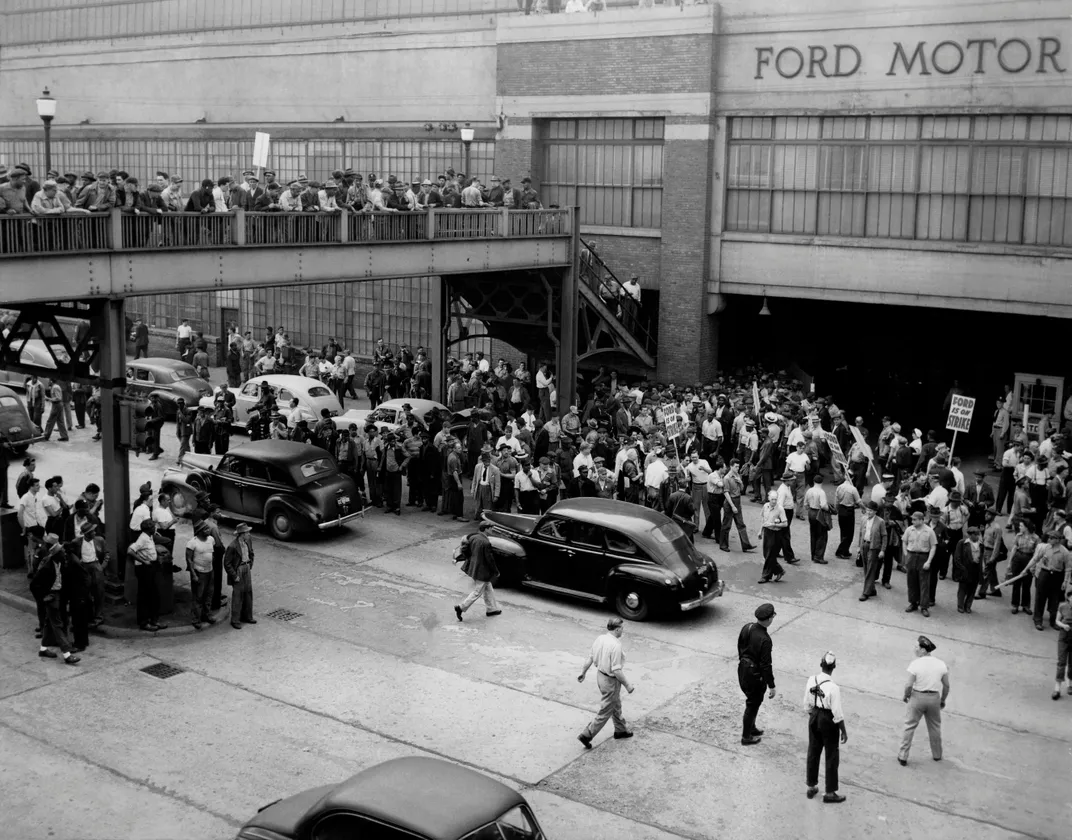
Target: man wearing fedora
{"x": 238, "y": 562}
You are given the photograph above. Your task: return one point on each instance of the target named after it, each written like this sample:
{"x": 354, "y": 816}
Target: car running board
{"x": 573, "y": 593}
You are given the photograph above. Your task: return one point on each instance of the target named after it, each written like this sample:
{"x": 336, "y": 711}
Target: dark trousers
{"x": 505, "y": 502}
{"x": 550, "y": 497}
{"x": 1048, "y": 594}
{"x": 1021, "y": 590}
{"x": 415, "y": 490}
{"x": 200, "y": 596}
{"x": 528, "y": 501}
{"x": 715, "y": 505}
{"x": 941, "y": 558}
{"x": 728, "y": 519}
{"x": 79, "y": 399}
{"x": 772, "y": 541}
{"x": 846, "y": 520}
{"x": 989, "y": 578}
{"x": 954, "y": 538}
{"x": 217, "y": 577}
{"x": 81, "y": 611}
{"x": 374, "y": 486}
{"x": 431, "y": 492}
{"x": 1006, "y": 488}
{"x": 786, "y": 539}
{"x": 872, "y": 564}
{"x": 453, "y": 501}
{"x": 55, "y": 420}
{"x": 818, "y": 533}
{"x": 392, "y": 490}
{"x": 969, "y": 582}
{"x": 893, "y": 555}
{"x": 823, "y": 736}
{"x": 148, "y": 594}
{"x": 919, "y": 579}
{"x": 753, "y": 699}
{"x": 53, "y": 632}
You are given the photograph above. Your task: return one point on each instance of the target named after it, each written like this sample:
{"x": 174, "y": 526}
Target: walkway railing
{"x": 73, "y": 233}
{"x": 597, "y": 275}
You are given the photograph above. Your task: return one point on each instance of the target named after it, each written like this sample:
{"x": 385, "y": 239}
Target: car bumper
{"x": 342, "y": 520}
{"x": 716, "y": 592}
{"x": 27, "y": 441}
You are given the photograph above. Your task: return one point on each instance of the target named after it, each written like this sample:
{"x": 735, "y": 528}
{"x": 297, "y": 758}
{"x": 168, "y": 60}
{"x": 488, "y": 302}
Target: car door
{"x": 141, "y": 384}
{"x": 586, "y": 568}
{"x": 547, "y": 549}
{"x": 261, "y": 482}
{"x": 230, "y": 482}
{"x": 244, "y": 402}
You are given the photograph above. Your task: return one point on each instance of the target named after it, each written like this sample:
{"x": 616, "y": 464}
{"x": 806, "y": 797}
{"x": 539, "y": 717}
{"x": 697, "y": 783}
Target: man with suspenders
{"x": 822, "y": 699}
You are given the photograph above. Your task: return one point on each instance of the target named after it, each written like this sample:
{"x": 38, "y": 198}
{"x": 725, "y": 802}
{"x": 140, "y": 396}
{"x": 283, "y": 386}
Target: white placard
{"x": 260, "y": 149}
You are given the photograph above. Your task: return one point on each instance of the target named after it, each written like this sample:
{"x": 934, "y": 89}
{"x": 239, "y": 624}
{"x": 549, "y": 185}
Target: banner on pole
{"x": 960, "y": 413}
{"x": 841, "y": 463}
{"x": 755, "y": 398}
{"x": 672, "y": 418}
{"x": 260, "y": 149}
{"x": 867, "y": 450}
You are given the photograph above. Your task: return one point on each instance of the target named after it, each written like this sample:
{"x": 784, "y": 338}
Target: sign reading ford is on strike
{"x": 923, "y": 58}
{"x": 960, "y": 413}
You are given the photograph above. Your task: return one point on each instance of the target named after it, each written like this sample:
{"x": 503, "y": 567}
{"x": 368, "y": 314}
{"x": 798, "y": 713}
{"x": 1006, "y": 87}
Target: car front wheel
{"x": 632, "y": 603}
{"x": 281, "y": 524}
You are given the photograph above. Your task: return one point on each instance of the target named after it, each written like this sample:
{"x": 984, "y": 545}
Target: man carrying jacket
{"x": 46, "y": 586}
{"x": 480, "y": 566}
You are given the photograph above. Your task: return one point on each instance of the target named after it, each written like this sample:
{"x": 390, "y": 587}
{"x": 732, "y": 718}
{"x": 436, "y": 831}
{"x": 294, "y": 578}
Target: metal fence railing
{"x": 597, "y": 275}
{"x": 48, "y": 234}
{"x": 124, "y": 231}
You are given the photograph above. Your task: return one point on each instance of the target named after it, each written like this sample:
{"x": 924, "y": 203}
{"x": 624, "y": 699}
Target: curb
{"x": 110, "y": 631}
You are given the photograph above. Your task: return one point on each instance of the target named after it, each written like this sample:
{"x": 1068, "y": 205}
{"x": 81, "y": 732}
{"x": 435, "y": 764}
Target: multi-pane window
{"x": 197, "y": 159}
{"x": 1003, "y": 179}
{"x": 611, "y": 168}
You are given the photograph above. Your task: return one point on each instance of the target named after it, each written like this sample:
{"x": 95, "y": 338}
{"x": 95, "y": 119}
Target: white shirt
{"x": 586, "y": 460}
{"x": 30, "y": 511}
{"x": 656, "y": 473}
{"x": 220, "y": 199}
{"x": 632, "y": 288}
{"x": 483, "y": 366}
{"x": 958, "y": 476}
{"x": 523, "y": 481}
{"x": 711, "y": 429}
{"x": 698, "y": 472}
{"x": 785, "y": 496}
{"x": 938, "y": 497}
{"x": 512, "y": 442}
{"x": 928, "y": 671}
{"x": 543, "y": 381}
{"x": 184, "y": 331}
{"x": 831, "y": 699}
{"x": 607, "y": 654}
{"x": 163, "y": 517}
{"x": 878, "y": 493}
{"x": 87, "y": 551}
{"x": 869, "y": 523}
{"x": 796, "y": 436}
{"x": 797, "y": 461}
{"x": 140, "y": 514}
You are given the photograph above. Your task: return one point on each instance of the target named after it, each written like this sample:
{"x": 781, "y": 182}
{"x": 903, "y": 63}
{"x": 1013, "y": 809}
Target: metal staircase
{"x": 608, "y": 329}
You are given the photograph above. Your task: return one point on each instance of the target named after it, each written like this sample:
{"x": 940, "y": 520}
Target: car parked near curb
{"x": 33, "y": 352}
{"x": 168, "y": 379}
{"x": 15, "y": 422}
{"x": 291, "y": 488}
{"x": 608, "y": 552}
{"x": 412, "y": 798}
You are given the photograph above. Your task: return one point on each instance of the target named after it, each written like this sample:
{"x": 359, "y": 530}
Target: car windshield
{"x": 316, "y": 468}
{"x": 515, "y": 824}
{"x": 382, "y": 415}
{"x": 319, "y": 391}
{"x": 183, "y": 373}
{"x": 674, "y": 547}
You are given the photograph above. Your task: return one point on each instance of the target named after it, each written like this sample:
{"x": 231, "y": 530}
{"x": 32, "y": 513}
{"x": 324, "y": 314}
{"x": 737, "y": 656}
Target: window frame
{"x": 640, "y": 137}
{"x": 1003, "y": 201}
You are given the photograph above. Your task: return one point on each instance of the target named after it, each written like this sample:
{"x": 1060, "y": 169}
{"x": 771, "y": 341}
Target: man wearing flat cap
{"x": 826, "y": 721}
{"x": 925, "y": 693}
{"x": 755, "y": 669}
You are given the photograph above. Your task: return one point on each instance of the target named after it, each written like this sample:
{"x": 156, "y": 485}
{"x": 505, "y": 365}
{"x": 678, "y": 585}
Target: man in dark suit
{"x": 140, "y": 336}
{"x": 874, "y": 542}
{"x": 582, "y": 486}
{"x": 46, "y": 586}
{"x": 978, "y": 497}
{"x": 480, "y": 566}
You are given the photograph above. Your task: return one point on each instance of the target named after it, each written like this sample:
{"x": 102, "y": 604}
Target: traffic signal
{"x": 134, "y": 416}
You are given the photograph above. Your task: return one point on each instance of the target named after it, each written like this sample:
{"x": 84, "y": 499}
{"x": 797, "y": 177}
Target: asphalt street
{"x": 374, "y": 665}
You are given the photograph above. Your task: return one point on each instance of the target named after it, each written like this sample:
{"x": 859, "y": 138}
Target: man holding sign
{"x": 960, "y": 416}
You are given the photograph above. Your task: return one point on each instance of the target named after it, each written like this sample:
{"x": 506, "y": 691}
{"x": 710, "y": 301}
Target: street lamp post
{"x": 46, "y": 110}
{"x": 467, "y": 141}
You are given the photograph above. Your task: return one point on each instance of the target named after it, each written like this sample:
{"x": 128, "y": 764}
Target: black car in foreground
{"x": 403, "y": 799}
{"x": 608, "y": 552}
{"x": 289, "y": 487}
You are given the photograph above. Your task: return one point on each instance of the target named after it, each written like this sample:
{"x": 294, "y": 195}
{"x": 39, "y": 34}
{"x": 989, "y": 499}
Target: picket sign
{"x": 960, "y": 416}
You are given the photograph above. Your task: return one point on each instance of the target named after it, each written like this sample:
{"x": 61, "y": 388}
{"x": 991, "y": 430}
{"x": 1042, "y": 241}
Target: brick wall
{"x": 626, "y": 255}
{"x": 627, "y": 65}
{"x": 514, "y": 157}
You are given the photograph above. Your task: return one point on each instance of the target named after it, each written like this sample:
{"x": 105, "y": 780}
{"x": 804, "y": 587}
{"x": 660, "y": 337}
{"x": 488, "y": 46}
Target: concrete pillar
{"x": 116, "y": 222}
{"x": 113, "y": 381}
{"x": 566, "y": 364}
{"x": 238, "y": 228}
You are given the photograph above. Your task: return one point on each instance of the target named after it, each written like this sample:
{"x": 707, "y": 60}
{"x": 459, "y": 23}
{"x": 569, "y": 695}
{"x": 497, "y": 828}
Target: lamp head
{"x": 46, "y": 106}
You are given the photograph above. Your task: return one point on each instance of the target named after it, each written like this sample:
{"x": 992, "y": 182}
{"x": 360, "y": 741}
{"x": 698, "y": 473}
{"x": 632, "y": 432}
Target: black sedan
{"x": 607, "y": 552}
{"x": 403, "y": 799}
{"x": 290, "y": 487}
{"x": 15, "y": 423}
{"x": 168, "y": 379}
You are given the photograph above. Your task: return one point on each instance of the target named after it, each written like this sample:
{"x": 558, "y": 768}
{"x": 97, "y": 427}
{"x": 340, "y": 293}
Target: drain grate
{"x": 284, "y": 615}
{"x": 161, "y": 670}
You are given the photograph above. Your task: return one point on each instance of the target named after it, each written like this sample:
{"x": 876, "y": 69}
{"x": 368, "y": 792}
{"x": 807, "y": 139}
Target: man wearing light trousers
{"x": 609, "y": 660}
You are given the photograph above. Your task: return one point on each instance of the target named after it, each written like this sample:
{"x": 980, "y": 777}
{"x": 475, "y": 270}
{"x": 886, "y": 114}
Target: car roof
{"x": 427, "y": 796}
{"x": 280, "y": 452}
{"x": 161, "y": 363}
{"x": 8, "y": 392}
{"x": 289, "y": 381}
{"x": 634, "y": 520}
{"x": 419, "y": 407}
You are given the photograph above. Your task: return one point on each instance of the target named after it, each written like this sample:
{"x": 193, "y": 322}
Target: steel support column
{"x": 437, "y": 352}
{"x": 567, "y": 350}
{"x": 116, "y": 475}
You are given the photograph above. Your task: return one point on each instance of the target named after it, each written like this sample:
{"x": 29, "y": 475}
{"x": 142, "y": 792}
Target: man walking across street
{"x": 755, "y": 669}
{"x": 733, "y": 487}
{"x": 609, "y": 660}
{"x": 480, "y": 566}
{"x": 826, "y": 722}
{"x": 54, "y": 396}
{"x": 920, "y": 543}
{"x": 774, "y": 523}
{"x": 925, "y": 692}
{"x": 238, "y": 562}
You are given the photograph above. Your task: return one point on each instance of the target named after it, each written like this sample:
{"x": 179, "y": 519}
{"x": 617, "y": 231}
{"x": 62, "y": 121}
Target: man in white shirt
{"x": 698, "y": 470}
{"x": 31, "y": 515}
{"x": 199, "y": 551}
{"x": 482, "y": 364}
{"x": 655, "y": 476}
{"x": 544, "y": 380}
{"x": 472, "y": 195}
{"x": 786, "y": 498}
{"x": 798, "y": 461}
{"x": 826, "y": 722}
{"x": 711, "y": 430}
{"x": 584, "y": 458}
{"x": 609, "y": 660}
{"x": 221, "y": 192}
{"x": 938, "y": 497}
{"x": 327, "y": 198}
{"x": 925, "y": 693}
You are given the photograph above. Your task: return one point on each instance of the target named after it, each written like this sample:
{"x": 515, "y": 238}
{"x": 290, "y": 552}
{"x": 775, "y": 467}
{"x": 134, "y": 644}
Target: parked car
{"x": 15, "y": 422}
{"x": 388, "y": 416}
{"x": 410, "y": 798}
{"x": 169, "y": 379}
{"x": 291, "y": 488}
{"x": 311, "y": 394}
{"x": 605, "y": 551}
{"x": 33, "y": 352}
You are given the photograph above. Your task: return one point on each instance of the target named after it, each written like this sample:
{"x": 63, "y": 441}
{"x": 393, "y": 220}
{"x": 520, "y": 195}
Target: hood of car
{"x": 516, "y": 522}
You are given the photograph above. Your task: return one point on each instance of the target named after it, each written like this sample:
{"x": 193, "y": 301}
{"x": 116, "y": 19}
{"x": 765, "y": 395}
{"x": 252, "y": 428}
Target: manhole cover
{"x": 161, "y": 670}
{"x": 284, "y": 615}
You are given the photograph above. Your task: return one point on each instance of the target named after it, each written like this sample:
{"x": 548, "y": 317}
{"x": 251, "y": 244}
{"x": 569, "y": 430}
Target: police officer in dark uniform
{"x": 755, "y": 670}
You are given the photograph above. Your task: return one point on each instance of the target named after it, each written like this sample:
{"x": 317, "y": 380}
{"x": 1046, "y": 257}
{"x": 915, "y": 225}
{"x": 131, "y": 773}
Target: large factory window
{"x": 1000, "y": 179}
{"x": 611, "y": 168}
